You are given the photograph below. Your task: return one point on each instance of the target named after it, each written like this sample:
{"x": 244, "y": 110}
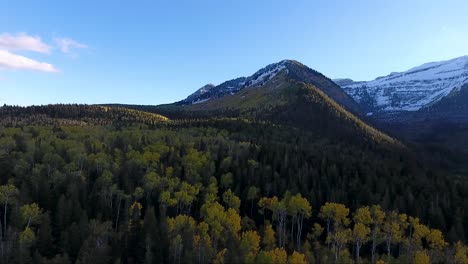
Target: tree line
{"x": 221, "y": 190}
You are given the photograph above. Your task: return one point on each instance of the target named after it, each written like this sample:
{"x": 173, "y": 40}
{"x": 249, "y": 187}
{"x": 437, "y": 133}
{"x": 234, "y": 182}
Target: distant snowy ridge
{"x": 410, "y": 90}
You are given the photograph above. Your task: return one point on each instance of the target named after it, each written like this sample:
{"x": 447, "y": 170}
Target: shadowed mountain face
{"x": 283, "y": 99}
{"x": 427, "y": 104}
{"x": 292, "y": 69}
{"x": 443, "y": 124}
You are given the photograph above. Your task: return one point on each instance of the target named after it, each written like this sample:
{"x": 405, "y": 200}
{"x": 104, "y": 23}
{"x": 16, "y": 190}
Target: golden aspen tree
{"x": 299, "y": 209}
{"x": 461, "y": 253}
{"x": 297, "y": 258}
{"x": 421, "y": 257}
{"x": 249, "y": 246}
{"x": 362, "y": 220}
{"x": 268, "y": 240}
{"x": 377, "y": 216}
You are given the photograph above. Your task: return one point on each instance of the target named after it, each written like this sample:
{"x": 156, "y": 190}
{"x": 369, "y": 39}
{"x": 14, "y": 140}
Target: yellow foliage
{"x": 461, "y": 253}
{"x": 342, "y": 236}
{"x": 297, "y": 258}
{"x": 233, "y": 221}
{"x": 299, "y": 205}
{"x": 335, "y": 212}
{"x": 361, "y": 232}
{"x": 363, "y": 215}
{"x": 269, "y": 240}
{"x": 377, "y": 215}
{"x": 27, "y": 236}
{"x": 421, "y": 258}
{"x": 279, "y": 255}
{"x": 249, "y": 245}
{"x": 317, "y": 231}
{"x": 231, "y": 200}
{"x": 219, "y": 258}
{"x": 180, "y": 223}
{"x": 436, "y": 240}
{"x": 135, "y": 209}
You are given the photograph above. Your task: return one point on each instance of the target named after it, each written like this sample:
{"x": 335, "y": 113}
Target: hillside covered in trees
{"x": 217, "y": 190}
{"x": 77, "y": 115}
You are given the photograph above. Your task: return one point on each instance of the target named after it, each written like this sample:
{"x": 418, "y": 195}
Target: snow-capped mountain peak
{"x": 410, "y": 90}
{"x": 283, "y": 71}
{"x": 200, "y": 92}
{"x": 264, "y": 75}
{"x": 259, "y": 78}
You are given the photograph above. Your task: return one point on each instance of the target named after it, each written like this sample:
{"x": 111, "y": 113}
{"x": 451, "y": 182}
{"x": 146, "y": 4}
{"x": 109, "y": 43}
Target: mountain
{"x": 456, "y": 102}
{"x": 293, "y": 70}
{"x": 411, "y": 90}
{"x": 210, "y": 181}
{"x": 200, "y": 93}
{"x": 345, "y": 82}
{"x": 286, "y": 93}
{"x": 443, "y": 124}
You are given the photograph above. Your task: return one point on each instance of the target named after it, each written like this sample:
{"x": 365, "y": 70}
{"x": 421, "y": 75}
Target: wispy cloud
{"x": 66, "y": 45}
{"x": 10, "y": 43}
{"x": 17, "y": 62}
{"x": 23, "y": 41}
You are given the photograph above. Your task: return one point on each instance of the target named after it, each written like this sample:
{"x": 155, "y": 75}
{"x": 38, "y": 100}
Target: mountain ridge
{"x": 282, "y": 100}
{"x": 411, "y": 90}
{"x": 294, "y": 69}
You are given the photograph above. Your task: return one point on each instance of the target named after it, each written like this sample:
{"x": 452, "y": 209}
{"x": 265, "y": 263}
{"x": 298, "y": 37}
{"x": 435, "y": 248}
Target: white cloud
{"x": 23, "y": 41}
{"x": 12, "y": 61}
{"x": 67, "y": 44}
{"x": 10, "y": 43}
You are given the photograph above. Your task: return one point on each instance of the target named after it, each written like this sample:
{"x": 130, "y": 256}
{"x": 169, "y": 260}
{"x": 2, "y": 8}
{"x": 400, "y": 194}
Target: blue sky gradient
{"x": 153, "y": 52}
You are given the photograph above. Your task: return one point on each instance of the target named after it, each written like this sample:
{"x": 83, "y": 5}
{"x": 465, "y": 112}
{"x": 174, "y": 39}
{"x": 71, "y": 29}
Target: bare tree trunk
{"x": 5, "y": 219}
{"x": 118, "y": 214}
{"x": 279, "y": 230}
{"x": 251, "y": 208}
{"x": 336, "y": 253}
{"x": 299, "y": 222}
{"x": 2, "y": 250}
{"x": 374, "y": 243}
{"x": 285, "y": 237}
{"x": 292, "y": 230}
{"x": 389, "y": 247}
{"x": 358, "y": 249}
{"x": 1, "y": 231}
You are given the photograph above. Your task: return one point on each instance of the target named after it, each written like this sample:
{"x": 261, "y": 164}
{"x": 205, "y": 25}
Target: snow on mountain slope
{"x": 233, "y": 86}
{"x": 293, "y": 71}
{"x": 264, "y": 75}
{"x": 200, "y": 92}
{"x": 410, "y": 90}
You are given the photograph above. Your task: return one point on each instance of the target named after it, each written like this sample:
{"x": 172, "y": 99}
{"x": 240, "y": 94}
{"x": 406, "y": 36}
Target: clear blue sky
{"x": 152, "y": 52}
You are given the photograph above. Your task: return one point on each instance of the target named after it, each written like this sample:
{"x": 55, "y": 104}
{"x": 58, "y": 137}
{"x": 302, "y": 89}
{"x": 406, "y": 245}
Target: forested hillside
{"x": 219, "y": 190}
{"x": 62, "y": 114}
{"x": 284, "y": 101}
